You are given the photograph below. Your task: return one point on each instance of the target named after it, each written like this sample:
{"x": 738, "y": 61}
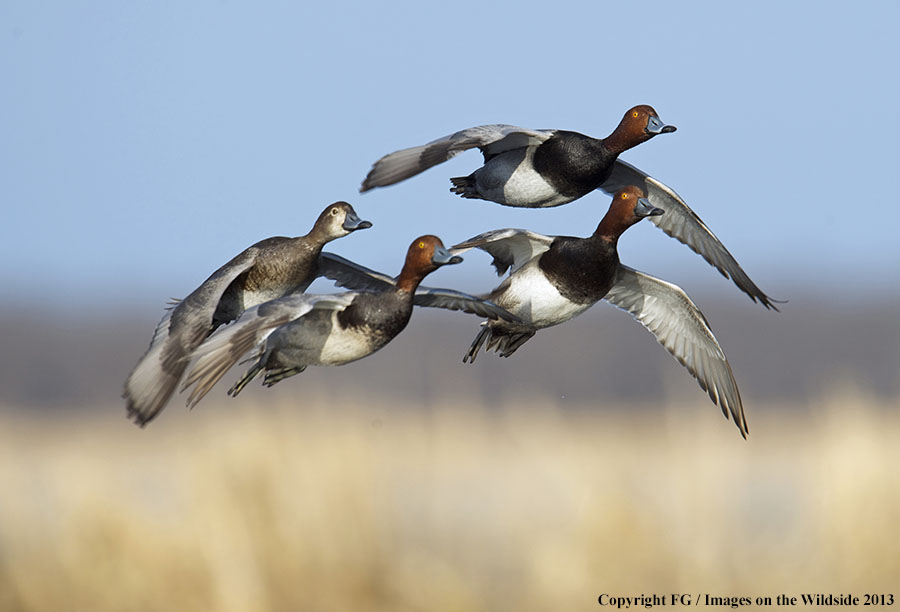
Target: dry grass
{"x": 371, "y": 507}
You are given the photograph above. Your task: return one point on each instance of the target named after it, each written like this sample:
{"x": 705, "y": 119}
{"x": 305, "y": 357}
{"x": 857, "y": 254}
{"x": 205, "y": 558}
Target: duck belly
{"x": 346, "y": 345}
{"x": 534, "y": 299}
{"x": 318, "y": 340}
{"x": 510, "y": 179}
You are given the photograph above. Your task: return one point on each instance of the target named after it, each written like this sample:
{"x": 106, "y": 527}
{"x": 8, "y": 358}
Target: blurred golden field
{"x": 338, "y": 505}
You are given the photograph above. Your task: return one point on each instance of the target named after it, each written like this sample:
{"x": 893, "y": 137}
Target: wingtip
{"x": 137, "y": 418}
{"x": 768, "y": 302}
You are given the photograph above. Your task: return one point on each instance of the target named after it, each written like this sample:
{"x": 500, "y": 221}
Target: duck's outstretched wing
{"x": 351, "y": 275}
{"x": 670, "y": 315}
{"x": 491, "y": 139}
{"x": 510, "y": 248}
{"x": 683, "y": 224}
{"x": 457, "y": 300}
{"x": 181, "y": 330}
{"x": 224, "y": 349}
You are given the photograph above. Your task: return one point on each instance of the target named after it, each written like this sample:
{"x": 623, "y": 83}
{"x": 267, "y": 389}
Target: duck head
{"x": 425, "y": 255}
{"x": 628, "y": 206}
{"x": 640, "y": 124}
{"x": 338, "y": 220}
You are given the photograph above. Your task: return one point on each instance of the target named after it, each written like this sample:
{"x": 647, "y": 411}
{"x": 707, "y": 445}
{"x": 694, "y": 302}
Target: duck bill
{"x": 443, "y": 257}
{"x": 656, "y": 126}
{"x": 645, "y": 209}
{"x": 352, "y": 222}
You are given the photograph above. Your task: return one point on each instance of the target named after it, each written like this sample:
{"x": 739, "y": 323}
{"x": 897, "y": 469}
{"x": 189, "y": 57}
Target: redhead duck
{"x": 269, "y": 269}
{"x": 543, "y": 168}
{"x": 288, "y": 334}
{"x": 522, "y": 167}
{"x": 555, "y": 278}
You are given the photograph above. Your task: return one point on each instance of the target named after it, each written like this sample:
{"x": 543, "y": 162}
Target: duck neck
{"x": 620, "y": 140}
{"x": 610, "y": 228}
{"x": 409, "y": 278}
{"x": 317, "y": 237}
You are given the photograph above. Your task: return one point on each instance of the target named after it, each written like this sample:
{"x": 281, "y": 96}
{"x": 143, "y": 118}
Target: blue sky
{"x": 144, "y": 144}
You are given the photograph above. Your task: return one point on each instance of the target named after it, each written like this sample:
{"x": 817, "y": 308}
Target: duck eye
{"x": 334, "y": 211}
{"x": 624, "y": 196}
{"x": 421, "y": 245}
{"x": 634, "y": 114}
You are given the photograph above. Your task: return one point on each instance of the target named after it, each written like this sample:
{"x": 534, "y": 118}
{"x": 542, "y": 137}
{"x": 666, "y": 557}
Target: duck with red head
{"x": 288, "y": 334}
{"x": 555, "y": 278}
{"x": 267, "y": 270}
{"x": 425, "y": 255}
{"x": 523, "y": 167}
{"x": 542, "y": 168}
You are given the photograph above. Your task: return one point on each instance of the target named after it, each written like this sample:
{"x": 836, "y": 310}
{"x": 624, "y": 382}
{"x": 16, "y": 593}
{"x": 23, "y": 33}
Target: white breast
{"x": 318, "y": 339}
{"x": 512, "y": 180}
{"x": 343, "y": 346}
{"x": 530, "y": 296}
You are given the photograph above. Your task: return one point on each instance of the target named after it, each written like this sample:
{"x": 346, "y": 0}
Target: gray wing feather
{"x": 491, "y": 139}
{"x": 351, "y": 275}
{"x": 510, "y": 248}
{"x": 222, "y": 350}
{"x": 683, "y": 224}
{"x": 670, "y": 315}
{"x": 185, "y": 325}
{"x": 457, "y": 300}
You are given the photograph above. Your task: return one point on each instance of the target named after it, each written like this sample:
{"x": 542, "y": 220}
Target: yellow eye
{"x": 624, "y": 196}
{"x": 634, "y": 114}
{"x": 421, "y": 245}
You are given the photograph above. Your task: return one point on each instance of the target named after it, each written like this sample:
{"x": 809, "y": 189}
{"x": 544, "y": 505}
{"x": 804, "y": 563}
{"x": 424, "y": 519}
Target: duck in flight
{"x": 269, "y": 269}
{"x": 553, "y": 279}
{"x": 286, "y": 335}
{"x": 543, "y": 168}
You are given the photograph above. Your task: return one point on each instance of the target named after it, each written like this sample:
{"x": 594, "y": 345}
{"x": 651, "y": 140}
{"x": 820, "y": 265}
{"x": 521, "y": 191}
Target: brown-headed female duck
{"x": 543, "y": 168}
{"x": 555, "y": 278}
{"x": 269, "y": 269}
{"x": 288, "y": 334}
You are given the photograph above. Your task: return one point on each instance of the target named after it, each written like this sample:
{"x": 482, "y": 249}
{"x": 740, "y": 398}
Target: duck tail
{"x": 499, "y": 339}
{"x": 276, "y": 376}
{"x": 464, "y": 186}
{"x": 511, "y": 342}
{"x": 246, "y": 378}
{"x": 483, "y": 334}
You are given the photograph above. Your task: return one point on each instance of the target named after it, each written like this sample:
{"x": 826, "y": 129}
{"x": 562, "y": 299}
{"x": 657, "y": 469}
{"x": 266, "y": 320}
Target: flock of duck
{"x": 551, "y": 279}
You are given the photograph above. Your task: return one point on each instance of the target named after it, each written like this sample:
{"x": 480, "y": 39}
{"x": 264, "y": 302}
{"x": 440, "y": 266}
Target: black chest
{"x": 573, "y": 163}
{"x": 582, "y": 270}
{"x": 381, "y": 314}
